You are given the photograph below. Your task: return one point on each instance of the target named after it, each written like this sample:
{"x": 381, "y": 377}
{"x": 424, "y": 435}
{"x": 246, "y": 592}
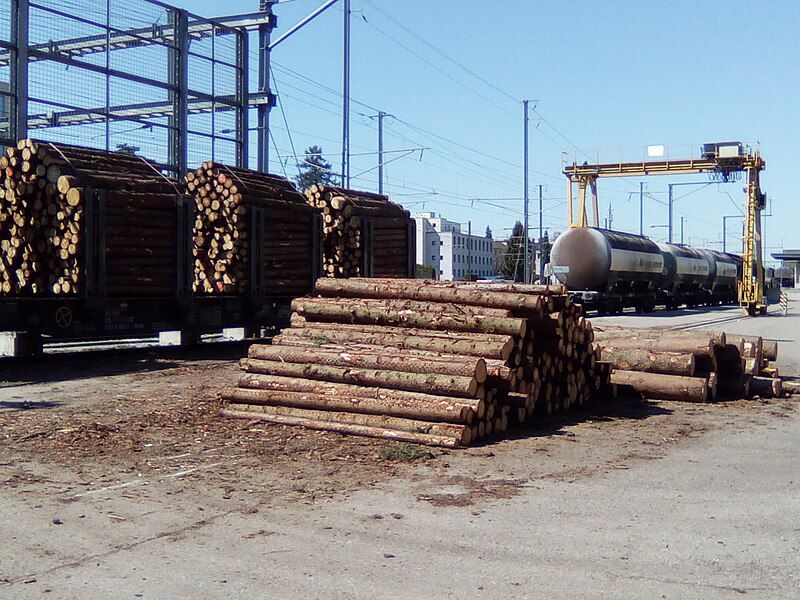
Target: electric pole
{"x": 527, "y": 269}
{"x": 541, "y": 238}
{"x": 641, "y": 208}
{"x": 681, "y": 230}
{"x": 262, "y": 112}
{"x": 469, "y": 250}
{"x": 381, "y": 114}
{"x": 346, "y": 99}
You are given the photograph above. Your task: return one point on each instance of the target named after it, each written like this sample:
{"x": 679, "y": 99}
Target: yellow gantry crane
{"x": 722, "y": 160}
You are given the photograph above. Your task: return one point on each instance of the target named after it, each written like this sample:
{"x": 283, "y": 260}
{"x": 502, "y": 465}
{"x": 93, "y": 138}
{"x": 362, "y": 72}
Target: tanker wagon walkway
{"x": 129, "y": 485}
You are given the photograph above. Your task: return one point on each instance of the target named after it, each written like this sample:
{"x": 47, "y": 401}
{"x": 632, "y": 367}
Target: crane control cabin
{"x": 723, "y": 161}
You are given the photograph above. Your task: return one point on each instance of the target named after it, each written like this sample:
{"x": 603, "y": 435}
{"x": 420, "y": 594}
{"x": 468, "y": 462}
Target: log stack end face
{"x": 47, "y": 191}
{"x": 363, "y": 233}
{"x": 253, "y": 233}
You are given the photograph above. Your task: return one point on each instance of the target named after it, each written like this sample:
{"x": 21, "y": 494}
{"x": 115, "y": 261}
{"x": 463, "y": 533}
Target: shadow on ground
{"x": 598, "y": 411}
{"x": 51, "y": 368}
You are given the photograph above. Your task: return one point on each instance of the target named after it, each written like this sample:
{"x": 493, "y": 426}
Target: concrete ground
{"x": 656, "y": 500}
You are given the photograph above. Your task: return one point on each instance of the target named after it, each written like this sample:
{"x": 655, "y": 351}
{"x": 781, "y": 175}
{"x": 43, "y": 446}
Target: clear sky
{"x": 606, "y": 75}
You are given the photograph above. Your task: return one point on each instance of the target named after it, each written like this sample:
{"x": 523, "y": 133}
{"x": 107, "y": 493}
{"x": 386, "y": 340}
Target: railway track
{"x": 716, "y": 321}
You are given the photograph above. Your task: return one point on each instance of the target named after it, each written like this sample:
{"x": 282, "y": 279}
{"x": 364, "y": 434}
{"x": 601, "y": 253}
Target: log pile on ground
{"x": 348, "y": 243}
{"x": 242, "y": 216}
{"x": 693, "y": 366}
{"x": 435, "y": 363}
{"x": 44, "y": 197}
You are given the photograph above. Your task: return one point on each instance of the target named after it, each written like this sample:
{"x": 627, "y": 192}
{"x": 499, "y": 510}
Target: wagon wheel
{"x": 63, "y": 317}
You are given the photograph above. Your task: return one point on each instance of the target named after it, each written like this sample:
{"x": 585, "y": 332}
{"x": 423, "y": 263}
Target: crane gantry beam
{"x": 718, "y": 160}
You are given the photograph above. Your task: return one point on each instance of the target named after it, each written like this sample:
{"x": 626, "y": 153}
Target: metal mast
{"x": 346, "y": 99}
{"x": 541, "y": 238}
{"x": 381, "y": 114}
{"x": 527, "y": 270}
{"x": 262, "y": 111}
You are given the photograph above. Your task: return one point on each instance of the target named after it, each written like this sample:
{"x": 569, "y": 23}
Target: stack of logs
{"x": 436, "y": 363}
{"x": 694, "y": 366}
{"x": 229, "y": 201}
{"x": 43, "y": 211}
{"x": 344, "y": 215}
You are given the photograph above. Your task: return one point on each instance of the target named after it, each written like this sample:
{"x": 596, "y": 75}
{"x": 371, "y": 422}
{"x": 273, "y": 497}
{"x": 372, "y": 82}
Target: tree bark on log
{"x": 424, "y": 290}
{"x": 442, "y": 410}
{"x": 300, "y": 321}
{"x": 320, "y": 309}
{"x": 344, "y": 390}
{"x": 517, "y": 288}
{"x": 403, "y": 305}
{"x": 448, "y": 345}
{"x": 449, "y": 385}
{"x": 375, "y": 359}
{"x": 647, "y": 334}
{"x": 657, "y": 386}
{"x": 790, "y": 387}
{"x": 765, "y": 387}
{"x": 666, "y": 344}
{"x": 350, "y": 429}
{"x": 634, "y": 359}
{"x": 462, "y": 433}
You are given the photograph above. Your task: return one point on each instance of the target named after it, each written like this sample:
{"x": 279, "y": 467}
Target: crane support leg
{"x": 751, "y": 288}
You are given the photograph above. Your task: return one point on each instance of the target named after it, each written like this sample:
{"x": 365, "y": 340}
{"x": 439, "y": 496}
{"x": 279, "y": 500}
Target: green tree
{"x": 128, "y": 149}
{"x": 314, "y": 170}
{"x": 424, "y": 272}
{"x": 514, "y": 261}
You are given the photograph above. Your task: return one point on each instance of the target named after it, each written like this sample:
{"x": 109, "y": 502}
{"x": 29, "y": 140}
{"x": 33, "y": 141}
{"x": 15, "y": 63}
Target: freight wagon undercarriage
{"x": 612, "y": 303}
{"x": 27, "y": 322}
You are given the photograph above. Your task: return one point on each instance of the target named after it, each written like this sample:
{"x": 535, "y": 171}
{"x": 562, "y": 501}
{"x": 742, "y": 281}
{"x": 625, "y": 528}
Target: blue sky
{"x": 607, "y": 75}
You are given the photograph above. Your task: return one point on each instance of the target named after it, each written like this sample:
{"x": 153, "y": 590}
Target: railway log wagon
{"x": 364, "y": 234}
{"x": 91, "y": 241}
{"x": 99, "y": 244}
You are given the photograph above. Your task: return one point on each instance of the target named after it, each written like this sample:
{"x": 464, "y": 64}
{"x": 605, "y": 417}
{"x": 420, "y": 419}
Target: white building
{"x": 452, "y": 254}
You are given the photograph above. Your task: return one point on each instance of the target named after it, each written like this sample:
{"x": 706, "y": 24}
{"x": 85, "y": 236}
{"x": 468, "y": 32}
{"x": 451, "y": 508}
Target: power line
{"x": 441, "y": 53}
{"x": 285, "y": 122}
{"x": 436, "y": 68}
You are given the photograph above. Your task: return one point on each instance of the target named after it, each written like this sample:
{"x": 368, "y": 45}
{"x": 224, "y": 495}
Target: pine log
{"x": 657, "y": 386}
{"x": 790, "y": 387}
{"x": 324, "y": 310}
{"x": 424, "y": 290}
{"x": 441, "y": 410}
{"x": 674, "y": 345}
{"x": 300, "y": 321}
{"x": 603, "y": 333}
{"x": 517, "y": 288}
{"x": 347, "y": 428}
{"x": 634, "y": 359}
{"x": 375, "y": 359}
{"x": 447, "y": 345}
{"x": 432, "y": 383}
{"x": 766, "y": 387}
{"x": 411, "y": 399}
{"x": 460, "y": 432}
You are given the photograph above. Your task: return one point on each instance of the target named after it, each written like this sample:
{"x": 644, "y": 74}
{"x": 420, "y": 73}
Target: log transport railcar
{"x": 132, "y": 270}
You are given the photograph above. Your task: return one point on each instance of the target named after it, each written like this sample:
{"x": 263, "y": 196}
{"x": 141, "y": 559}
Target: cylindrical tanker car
{"x": 609, "y": 271}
